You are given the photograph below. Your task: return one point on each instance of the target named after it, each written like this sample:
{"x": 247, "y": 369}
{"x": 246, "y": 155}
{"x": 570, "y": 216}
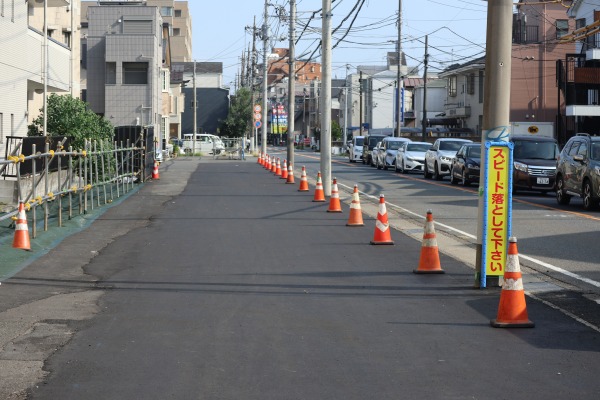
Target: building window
{"x": 177, "y": 13}
{"x": 166, "y": 11}
{"x": 481, "y": 82}
{"x": 471, "y": 83}
{"x": 2, "y": 8}
{"x": 562, "y": 27}
{"x": 176, "y": 32}
{"x": 165, "y": 80}
{"x": 67, "y": 38}
{"x": 135, "y": 73}
{"x": 111, "y": 73}
{"x": 579, "y": 23}
{"x": 84, "y": 54}
{"x": 452, "y": 86}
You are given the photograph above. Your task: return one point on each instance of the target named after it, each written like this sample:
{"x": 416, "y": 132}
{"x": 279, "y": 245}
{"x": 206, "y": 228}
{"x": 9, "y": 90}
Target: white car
{"x": 386, "y": 156}
{"x": 205, "y": 143}
{"x": 438, "y": 159}
{"x": 411, "y": 156}
{"x": 355, "y": 149}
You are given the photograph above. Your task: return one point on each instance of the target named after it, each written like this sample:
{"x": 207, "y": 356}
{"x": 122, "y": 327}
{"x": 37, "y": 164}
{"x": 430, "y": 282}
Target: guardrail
{"x": 82, "y": 179}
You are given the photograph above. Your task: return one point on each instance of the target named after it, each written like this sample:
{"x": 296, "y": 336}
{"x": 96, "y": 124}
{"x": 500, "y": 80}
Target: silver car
{"x": 386, "y": 156}
{"x": 411, "y": 156}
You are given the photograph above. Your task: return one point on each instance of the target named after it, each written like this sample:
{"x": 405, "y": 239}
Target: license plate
{"x": 543, "y": 181}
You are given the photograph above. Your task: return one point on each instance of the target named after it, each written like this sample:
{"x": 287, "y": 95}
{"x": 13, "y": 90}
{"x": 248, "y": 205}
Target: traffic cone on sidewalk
{"x": 284, "y": 170}
{"x": 274, "y": 165}
{"x": 259, "y": 159}
{"x": 303, "y": 181}
{"x": 319, "y": 193}
{"x": 155, "y": 174}
{"x": 278, "y": 168}
{"x": 267, "y": 162}
{"x": 21, "y": 239}
{"x": 382, "y": 227}
{"x": 290, "y": 177}
{"x": 429, "y": 263}
{"x": 512, "y": 311}
{"x": 355, "y": 218}
{"x": 334, "y": 200}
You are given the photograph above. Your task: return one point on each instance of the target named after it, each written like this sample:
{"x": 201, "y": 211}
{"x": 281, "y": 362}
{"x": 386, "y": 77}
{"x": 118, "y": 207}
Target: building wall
{"x": 534, "y": 96}
{"x": 124, "y": 104}
{"x": 213, "y": 107}
{"x": 181, "y": 35}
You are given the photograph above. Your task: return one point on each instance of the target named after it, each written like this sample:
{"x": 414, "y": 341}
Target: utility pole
{"x": 496, "y": 102}
{"x": 265, "y": 38}
{"x": 426, "y": 61}
{"x": 195, "y": 113}
{"x": 399, "y": 82}
{"x": 291, "y": 85}
{"x": 254, "y": 141}
{"x": 326, "y": 98}
{"x": 360, "y": 100}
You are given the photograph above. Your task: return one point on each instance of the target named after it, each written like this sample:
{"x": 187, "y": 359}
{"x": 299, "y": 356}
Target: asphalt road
{"x": 559, "y": 241}
{"x": 240, "y": 287}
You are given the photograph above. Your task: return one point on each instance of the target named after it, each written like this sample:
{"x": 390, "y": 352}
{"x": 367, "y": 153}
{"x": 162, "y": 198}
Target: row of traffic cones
{"x": 512, "y": 310}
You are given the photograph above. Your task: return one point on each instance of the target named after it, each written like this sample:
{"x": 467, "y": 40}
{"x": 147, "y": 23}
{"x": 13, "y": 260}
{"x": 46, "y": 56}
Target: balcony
{"x": 525, "y": 34}
{"x": 59, "y": 61}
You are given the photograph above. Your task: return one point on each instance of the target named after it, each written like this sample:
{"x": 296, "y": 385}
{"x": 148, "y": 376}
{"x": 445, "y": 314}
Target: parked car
{"x": 374, "y": 152}
{"x": 355, "y": 148}
{"x": 386, "y": 157}
{"x": 438, "y": 158}
{"x": 205, "y": 143}
{"x": 411, "y": 156}
{"x": 578, "y": 171}
{"x": 369, "y": 144}
{"x": 466, "y": 164}
{"x": 534, "y": 162}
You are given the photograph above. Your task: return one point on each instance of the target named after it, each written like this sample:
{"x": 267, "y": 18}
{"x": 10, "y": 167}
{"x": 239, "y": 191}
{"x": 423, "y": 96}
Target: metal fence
{"x": 65, "y": 181}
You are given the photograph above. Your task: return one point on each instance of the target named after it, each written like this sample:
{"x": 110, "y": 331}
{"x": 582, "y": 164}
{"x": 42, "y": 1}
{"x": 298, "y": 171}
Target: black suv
{"x": 578, "y": 171}
{"x": 534, "y": 161}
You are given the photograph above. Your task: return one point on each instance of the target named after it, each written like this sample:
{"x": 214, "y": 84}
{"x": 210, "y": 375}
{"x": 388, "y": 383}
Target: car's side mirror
{"x": 578, "y": 157}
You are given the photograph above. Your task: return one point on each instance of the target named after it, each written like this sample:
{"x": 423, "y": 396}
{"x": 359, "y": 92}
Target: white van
{"x": 205, "y": 143}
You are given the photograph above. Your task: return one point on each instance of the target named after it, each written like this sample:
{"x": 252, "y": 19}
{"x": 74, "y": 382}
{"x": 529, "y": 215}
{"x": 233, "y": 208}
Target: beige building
{"x": 24, "y": 71}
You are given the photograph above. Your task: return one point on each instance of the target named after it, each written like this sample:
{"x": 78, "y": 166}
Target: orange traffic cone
{"x": 319, "y": 193}
{"x": 284, "y": 170}
{"x": 334, "y": 200}
{"x": 155, "y": 174}
{"x": 512, "y": 311}
{"x": 303, "y": 181}
{"x": 21, "y": 239}
{"x": 274, "y": 165}
{"x": 278, "y": 168}
{"x": 259, "y": 159}
{"x": 429, "y": 263}
{"x": 267, "y": 162}
{"x": 382, "y": 227}
{"x": 290, "y": 177}
{"x": 355, "y": 218}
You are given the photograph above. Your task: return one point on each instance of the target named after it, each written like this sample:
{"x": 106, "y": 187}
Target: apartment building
{"x": 25, "y": 73}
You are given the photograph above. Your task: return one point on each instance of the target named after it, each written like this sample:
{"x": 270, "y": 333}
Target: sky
{"x": 456, "y": 31}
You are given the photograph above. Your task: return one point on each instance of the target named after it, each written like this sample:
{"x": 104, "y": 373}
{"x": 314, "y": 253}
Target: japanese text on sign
{"x": 497, "y": 199}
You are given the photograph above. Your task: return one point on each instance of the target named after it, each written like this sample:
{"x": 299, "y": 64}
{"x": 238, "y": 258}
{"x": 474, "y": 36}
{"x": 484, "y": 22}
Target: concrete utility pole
{"x": 496, "y": 101}
{"x": 425, "y": 62}
{"x": 265, "y": 38}
{"x": 360, "y": 100}
{"x": 399, "y": 82}
{"x": 326, "y": 99}
{"x": 195, "y": 113}
{"x": 291, "y": 84}
{"x": 253, "y": 141}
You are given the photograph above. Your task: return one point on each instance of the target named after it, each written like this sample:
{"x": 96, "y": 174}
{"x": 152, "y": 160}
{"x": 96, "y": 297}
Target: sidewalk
{"x": 239, "y": 286}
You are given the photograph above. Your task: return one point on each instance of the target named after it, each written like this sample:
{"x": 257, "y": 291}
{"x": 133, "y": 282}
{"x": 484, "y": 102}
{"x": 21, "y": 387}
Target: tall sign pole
{"x": 265, "y": 38}
{"x": 291, "y": 84}
{"x": 326, "y": 99}
{"x": 496, "y": 103}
